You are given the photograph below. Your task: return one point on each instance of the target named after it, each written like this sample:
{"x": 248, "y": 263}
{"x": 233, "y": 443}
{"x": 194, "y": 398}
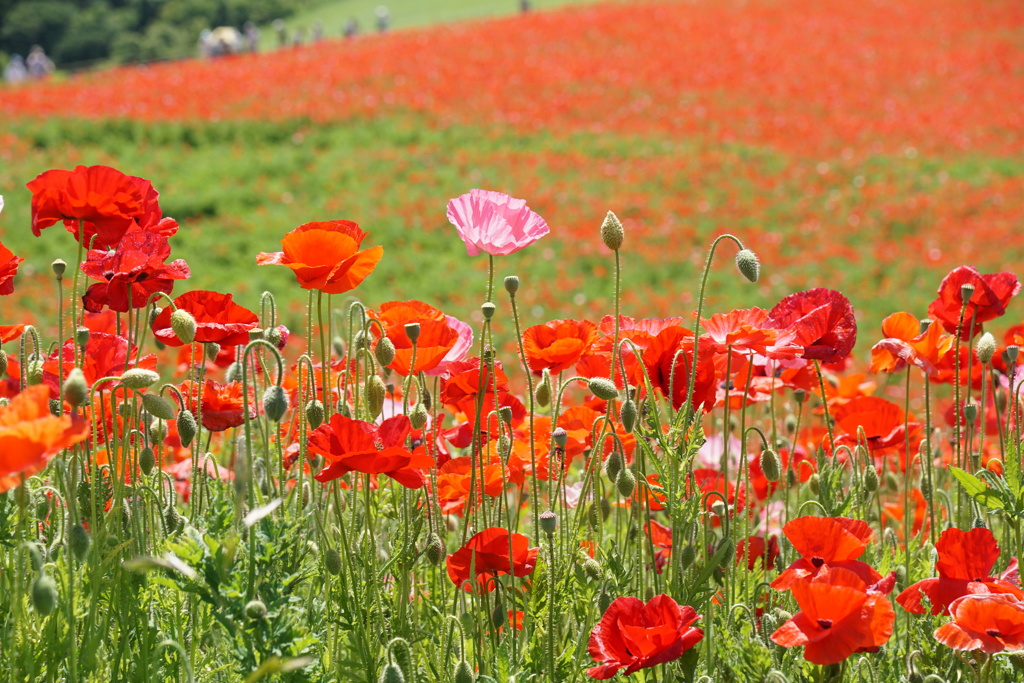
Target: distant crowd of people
{"x": 36, "y": 65}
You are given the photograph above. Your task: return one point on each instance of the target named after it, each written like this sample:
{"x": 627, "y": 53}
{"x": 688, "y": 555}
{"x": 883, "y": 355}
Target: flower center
{"x": 817, "y": 561}
{"x": 825, "y": 623}
{"x": 994, "y": 633}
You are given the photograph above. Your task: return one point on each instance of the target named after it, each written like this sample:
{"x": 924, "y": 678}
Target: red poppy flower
{"x": 761, "y": 552}
{"x": 845, "y": 389}
{"x": 222, "y": 404}
{"x": 991, "y": 623}
{"x": 488, "y": 554}
{"x": 30, "y": 434}
{"x": 558, "y": 345}
{"x": 964, "y": 566}
{"x": 826, "y": 543}
{"x": 705, "y": 480}
{"x": 454, "y": 479}
{"x": 104, "y": 355}
{"x": 988, "y": 301}
{"x": 218, "y": 319}
{"x": 356, "y": 446}
{"x": 436, "y": 338}
{"x": 669, "y": 359}
{"x": 838, "y": 616}
{"x": 822, "y": 320}
{"x": 8, "y": 269}
{"x": 639, "y": 333}
{"x": 746, "y": 331}
{"x": 884, "y": 426}
{"x": 131, "y": 274}
{"x": 632, "y": 635}
{"x": 325, "y": 256}
{"x": 108, "y": 201}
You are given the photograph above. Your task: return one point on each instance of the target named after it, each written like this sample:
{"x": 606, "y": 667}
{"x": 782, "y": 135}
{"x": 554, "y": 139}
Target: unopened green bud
{"x": 593, "y": 569}
{"x": 625, "y": 482}
{"x": 256, "y": 610}
{"x": 35, "y": 556}
{"x": 512, "y": 284}
{"x": 814, "y": 483}
{"x": 543, "y": 392}
{"x": 436, "y": 550}
{"x": 606, "y": 508}
{"x": 375, "y": 392}
{"x": 499, "y": 616}
{"x": 275, "y": 403}
{"x": 748, "y": 265}
{"x": 79, "y": 542}
{"x": 604, "y": 601}
{"x": 187, "y": 428}
{"x": 3, "y": 362}
{"x": 612, "y": 232}
{"x": 184, "y": 326}
{"x": 730, "y": 552}
{"x": 315, "y": 413}
{"x": 338, "y": 344}
{"x": 771, "y": 465}
{"x": 34, "y": 375}
{"x": 504, "y": 446}
{"x": 418, "y": 416}
{"x": 157, "y": 431}
{"x": 985, "y": 347}
{"x": 392, "y": 673}
{"x": 603, "y": 388}
{"x": 44, "y": 594}
{"x": 157, "y": 406}
{"x": 76, "y": 390}
{"x": 464, "y": 673}
{"x": 384, "y": 352}
{"x": 871, "y": 479}
{"x": 332, "y": 561}
{"x": 613, "y": 465}
{"x": 628, "y": 415}
{"x": 139, "y": 378}
{"x": 147, "y": 460}
{"x": 505, "y": 414}
{"x": 172, "y": 520}
{"x": 401, "y": 653}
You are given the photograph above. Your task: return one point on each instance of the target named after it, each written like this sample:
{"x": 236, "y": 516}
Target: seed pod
{"x": 183, "y": 325}
{"x": 187, "y": 428}
{"x": 748, "y": 264}
{"x": 384, "y": 352}
{"x": 488, "y": 309}
{"x": 612, "y": 232}
{"x": 412, "y": 331}
{"x": 418, "y": 416}
{"x": 511, "y": 284}
{"x": 548, "y": 522}
{"x": 375, "y": 392}
{"x": 256, "y": 610}
{"x": 158, "y": 406}
{"x": 464, "y": 673}
{"x": 147, "y": 460}
{"x": 603, "y": 388}
{"x": 771, "y": 465}
{"x": 613, "y": 465}
{"x": 275, "y": 403}
{"x": 625, "y": 482}
{"x": 628, "y": 415}
{"x": 44, "y": 594}
{"x": 593, "y": 569}
{"x": 436, "y": 550}
{"x": 332, "y": 561}
{"x": 80, "y": 542}
{"x": 76, "y": 390}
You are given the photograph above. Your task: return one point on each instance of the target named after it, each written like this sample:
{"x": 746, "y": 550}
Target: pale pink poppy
{"x": 457, "y": 352}
{"x": 494, "y": 223}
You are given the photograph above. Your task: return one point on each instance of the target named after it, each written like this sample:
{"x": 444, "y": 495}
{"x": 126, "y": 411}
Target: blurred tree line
{"x": 81, "y": 31}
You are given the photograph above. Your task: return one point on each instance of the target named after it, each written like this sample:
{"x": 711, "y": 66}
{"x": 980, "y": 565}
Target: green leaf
{"x": 977, "y": 489}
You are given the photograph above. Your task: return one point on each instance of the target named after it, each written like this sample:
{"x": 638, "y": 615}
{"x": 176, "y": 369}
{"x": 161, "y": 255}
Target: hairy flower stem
{"x": 74, "y": 291}
{"x": 824, "y": 405}
{"x": 325, "y": 359}
{"x": 927, "y": 465}
{"x": 534, "y": 503}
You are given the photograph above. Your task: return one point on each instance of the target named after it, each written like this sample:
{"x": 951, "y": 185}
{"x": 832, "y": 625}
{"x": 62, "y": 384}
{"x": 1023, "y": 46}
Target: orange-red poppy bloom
{"x": 490, "y": 553}
{"x": 30, "y": 434}
{"x": 884, "y": 426}
{"x": 222, "y": 404}
{"x": 356, "y": 446}
{"x": 822, "y": 320}
{"x": 824, "y": 544}
{"x": 746, "y": 331}
{"x": 988, "y": 300}
{"x": 668, "y": 360}
{"x": 964, "y": 566}
{"x": 218, "y": 319}
{"x": 130, "y": 275}
{"x": 991, "y": 623}
{"x": 436, "y": 337}
{"x": 454, "y": 479}
{"x": 325, "y": 255}
{"x": 905, "y": 344}
{"x": 632, "y": 635}
{"x": 839, "y": 615}
{"x": 558, "y": 344}
{"x": 8, "y": 269}
{"x": 104, "y": 355}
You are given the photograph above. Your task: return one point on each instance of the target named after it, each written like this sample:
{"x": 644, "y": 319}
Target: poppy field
{"x": 654, "y": 341}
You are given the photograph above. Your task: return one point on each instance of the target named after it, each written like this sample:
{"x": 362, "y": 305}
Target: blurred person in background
{"x": 38, "y": 64}
{"x": 15, "y": 71}
{"x": 252, "y": 37}
{"x": 282, "y": 32}
{"x": 351, "y": 28}
{"x": 383, "y": 19}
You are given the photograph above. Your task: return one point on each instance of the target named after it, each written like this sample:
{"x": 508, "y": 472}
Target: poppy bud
{"x": 768, "y": 624}
{"x": 720, "y": 509}
{"x": 464, "y": 673}
{"x": 384, "y": 352}
{"x": 612, "y": 232}
{"x": 613, "y": 465}
{"x": 3, "y": 362}
{"x": 183, "y": 326}
{"x": 719, "y": 576}
{"x": 730, "y": 552}
{"x": 901, "y": 576}
{"x": 42, "y": 508}
{"x": 35, "y": 556}
{"x": 504, "y": 445}
{"x": 55, "y": 407}
{"x": 966, "y": 292}
{"x": 412, "y": 331}
{"x": 603, "y": 388}
{"x": 871, "y": 479}
{"x": 594, "y": 516}
{"x": 275, "y": 403}
{"x": 80, "y": 542}
{"x": 256, "y": 610}
{"x": 375, "y": 392}
{"x": 435, "y": 549}
{"x": 343, "y": 409}
{"x": 748, "y": 265}
{"x": 498, "y": 615}
{"x": 814, "y": 483}
{"x": 604, "y": 601}
{"x": 332, "y": 561}
{"x": 186, "y": 423}
{"x": 157, "y": 431}
{"x": 82, "y": 335}
{"x": 392, "y": 673}
{"x": 771, "y": 465}
{"x": 76, "y": 391}
{"x": 560, "y": 436}
{"x": 139, "y": 378}
{"x": 234, "y": 372}
{"x": 158, "y": 407}
{"x": 593, "y": 569}
{"x": 512, "y": 284}
{"x": 211, "y": 350}
{"x": 625, "y": 482}
{"x": 34, "y": 375}
{"x": 44, "y": 594}
{"x": 985, "y": 347}
{"x": 401, "y": 653}
{"x": 488, "y": 309}
{"x": 172, "y": 520}
{"x": 338, "y": 344}
{"x": 548, "y": 522}
{"x": 782, "y": 615}
{"x": 971, "y": 413}
{"x": 790, "y": 423}
{"x": 543, "y": 393}
{"x": 59, "y": 266}
{"x": 419, "y": 416}
{"x": 606, "y": 508}
{"x": 276, "y": 336}
{"x": 315, "y": 413}
{"x": 628, "y": 415}
{"x": 915, "y": 677}
{"x": 147, "y": 460}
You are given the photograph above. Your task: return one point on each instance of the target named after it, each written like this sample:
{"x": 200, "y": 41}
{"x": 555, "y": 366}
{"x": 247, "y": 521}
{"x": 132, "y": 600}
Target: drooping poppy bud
{"x": 748, "y": 264}
{"x": 183, "y": 325}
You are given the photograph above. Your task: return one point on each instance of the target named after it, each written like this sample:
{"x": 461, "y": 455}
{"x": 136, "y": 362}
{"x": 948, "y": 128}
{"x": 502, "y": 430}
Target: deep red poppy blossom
{"x": 437, "y": 336}
{"x": 325, "y": 255}
{"x": 558, "y": 344}
{"x": 761, "y": 552}
{"x": 131, "y": 274}
{"x": 991, "y": 623}
{"x": 822, "y": 320}
{"x": 488, "y": 555}
{"x": 356, "y": 446}
{"x": 8, "y": 269}
{"x": 218, "y": 319}
{"x": 632, "y": 635}
{"x": 222, "y": 404}
{"x": 669, "y": 360}
{"x": 964, "y": 566}
{"x": 988, "y": 301}
{"x": 104, "y": 355}
{"x": 632, "y": 333}
{"x": 827, "y": 543}
{"x": 839, "y": 615}
{"x": 883, "y": 424}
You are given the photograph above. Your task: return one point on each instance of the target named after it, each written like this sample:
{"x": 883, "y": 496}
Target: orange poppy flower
{"x": 325, "y": 256}
{"x": 668, "y": 361}
{"x": 558, "y": 345}
{"x": 905, "y": 343}
{"x": 357, "y": 446}
{"x": 838, "y": 616}
{"x": 8, "y": 269}
{"x": 746, "y": 331}
{"x": 884, "y": 425}
{"x": 988, "y": 301}
{"x": 454, "y": 479}
{"x": 964, "y": 566}
{"x": 488, "y": 555}
{"x": 824, "y": 544}
{"x": 991, "y": 623}
{"x": 222, "y": 404}
{"x": 218, "y": 319}
{"x": 30, "y": 435}
{"x": 436, "y": 338}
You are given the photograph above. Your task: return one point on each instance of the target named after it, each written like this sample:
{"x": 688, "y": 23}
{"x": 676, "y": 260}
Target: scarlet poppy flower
{"x": 883, "y": 425}
{"x": 990, "y": 623}
{"x": 10, "y": 332}
{"x": 104, "y": 355}
{"x": 454, "y": 479}
{"x": 494, "y": 222}
{"x": 846, "y": 389}
{"x": 325, "y": 256}
{"x": 705, "y": 480}
{"x": 218, "y": 319}
{"x": 839, "y": 615}
{"x": 356, "y": 446}
{"x": 222, "y": 404}
{"x": 988, "y": 301}
{"x": 964, "y": 566}
{"x": 488, "y": 555}
{"x": 746, "y": 331}
{"x": 437, "y": 338}
{"x": 822, "y": 320}
{"x": 30, "y": 434}
{"x": 669, "y": 360}
{"x": 108, "y": 201}
{"x": 893, "y": 516}
{"x": 632, "y": 332}
{"x": 632, "y": 635}
{"x": 905, "y": 343}
{"x": 8, "y": 269}
{"x": 131, "y": 274}
{"x": 761, "y": 552}
{"x": 558, "y": 345}
{"x": 826, "y": 543}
